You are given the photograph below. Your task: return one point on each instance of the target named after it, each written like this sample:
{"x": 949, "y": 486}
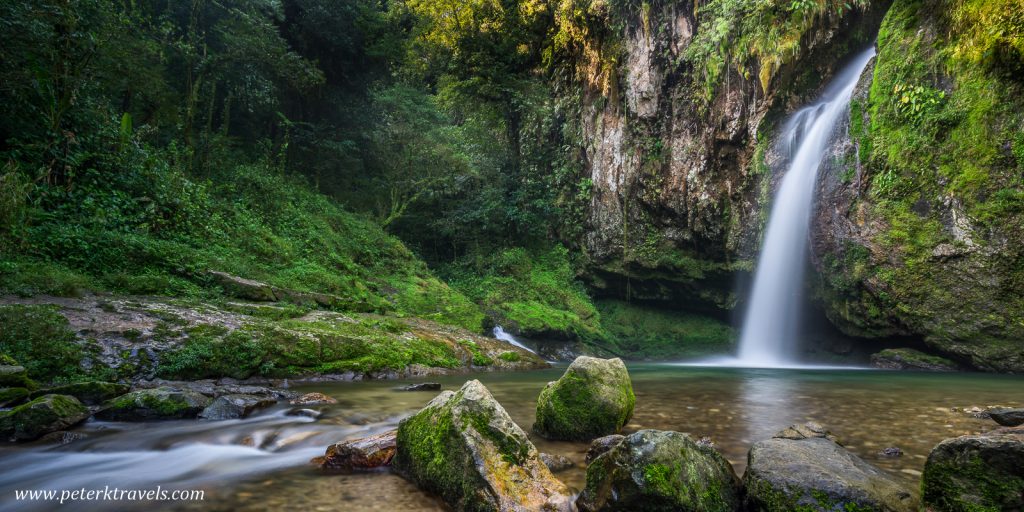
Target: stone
{"x": 41, "y": 416}
{"x": 313, "y": 399}
{"x": 655, "y": 470}
{"x": 62, "y": 437}
{"x": 1007, "y": 417}
{"x": 422, "y": 386}
{"x": 891, "y": 451}
{"x": 556, "y": 463}
{"x": 976, "y": 472}
{"x": 14, "y": 376}
{"x": 593, "y": 398}
{"x": 602, "y": 444}
{"x": 465, "y": 448}
{"x": 229, "y": 407}
{"x": 89, "y": 392}
{"x": 243, "y": 288}
{"x": 154, "y": 404}
{"x": 361, "y": 454}
{"x": 12, "y": 396}
{"x": 813, "y": 472}
{"x": 910, "y": 359}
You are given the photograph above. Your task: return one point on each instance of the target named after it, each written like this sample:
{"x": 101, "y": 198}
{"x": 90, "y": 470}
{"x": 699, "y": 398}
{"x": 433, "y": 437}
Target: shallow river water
{"x": 261, "y": 463}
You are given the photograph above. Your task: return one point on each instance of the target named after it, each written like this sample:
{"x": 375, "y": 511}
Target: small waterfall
{"x": 504, "y": 336}
{"x": 770, "y": 329}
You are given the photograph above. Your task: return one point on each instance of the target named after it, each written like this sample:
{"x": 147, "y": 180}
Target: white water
{"x": 502, "y": 335}
{"x": 770, "y": 329}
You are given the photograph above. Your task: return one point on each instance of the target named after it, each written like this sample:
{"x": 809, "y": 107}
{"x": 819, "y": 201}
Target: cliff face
{"x": 670, "y": 115}
{"x": 918, "y": 228}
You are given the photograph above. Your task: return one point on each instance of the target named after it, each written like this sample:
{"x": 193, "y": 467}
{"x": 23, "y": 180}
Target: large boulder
{"x": 154, "y": 404}
{"x": 12, "y": 396}
{"x": 978, "y": 472}
{"x": 361, "y": 454}
{"x": 90, "y": 392}
{"x": 464, "y": 447}
{"x": 1007, "y": 417}
{"x": 655, "y": 470}
{"x": 15, "y": 376}
{"x": 43, "y": 415}
{"x": 234, "y": 406}
{"x": 910, "y": 359}
{"x": 593, "y": 398}
{"x": 803, "y": 469}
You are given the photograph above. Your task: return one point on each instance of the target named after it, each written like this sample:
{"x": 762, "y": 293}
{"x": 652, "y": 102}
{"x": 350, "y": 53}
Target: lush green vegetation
{"x": 650, "y": 333}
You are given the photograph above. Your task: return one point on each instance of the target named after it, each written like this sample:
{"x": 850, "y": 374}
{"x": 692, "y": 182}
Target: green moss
{"x": 39, "y": 337}
{"x": 9, "y": 396}
{"x": 644, "y": 332}
{"x": 44, "y": 414}
{"x": 580, "y": 407}
{"x": 970, "y": 484}
{"x": 88, "y": 392}
{"x": 510, "y": 357}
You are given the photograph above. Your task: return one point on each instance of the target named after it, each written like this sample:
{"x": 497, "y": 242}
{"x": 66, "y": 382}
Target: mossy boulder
{"x": 90, "y": 392}
{"x": 976, "y": 473}
{"x": 801, "y": 468}
{"x": 15, "y": 376}
{"x": 910, "y": 359}
{"x": 593, "y": 398}
{"x": 154, "y": 404}
{"x": 654, "y": 470}
{"x": 12, "y": 396}
{"x": 41, "y": 416}
{"x": 465, "y": 448}
{"x": 235, "y": 406}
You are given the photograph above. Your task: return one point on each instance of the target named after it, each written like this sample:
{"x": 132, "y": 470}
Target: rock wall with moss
{"x": 918, "y": 230}
{"x": 674, "y": 99}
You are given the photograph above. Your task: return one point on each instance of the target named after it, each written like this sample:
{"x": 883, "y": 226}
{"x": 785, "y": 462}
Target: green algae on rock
{"x": 982, "y": 472}
{"x": 41, "y": 416}
{"x": 910, "y": 359}
{"x": 89, "y": 392}
{"x": 802, "y": 468}
{"x": 464, "y": 447}
{"x": 654, "y": 470}
{"x": 154, "y": 404}
{"x": 593, "y": 398}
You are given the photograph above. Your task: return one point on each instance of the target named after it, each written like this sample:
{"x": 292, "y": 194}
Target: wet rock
{"x": 891, "y": 451}
{"x": 978, "y": 472}
{"x": 41, "y": 416}
{"x": 90, "y": 392}
{"x": 307, "y": 413}
{"x": 229, "y": 407}
{"x": 263, "y": 391}
{"x": 910, "y": 359}
{"x": 422, "y": 386}
{"x": 660, "y": 470}
{"x": 465, "y": 448}
{"x": 361, "y": 454}
{"x": 602, "y": 444}
{"x": 312, "y": 399}
{"x": 62, "y": 437}
{"x": 556, "y": 463}
{"x": 154, "y": 404}
{"x": 243, "y": 288}
{"x": 14, "y": 376}
{"x": 812, "y": 472}
{"x": 1007, "y": 417}
{"x": 593, "y": 398}
{"x": 12, "y": 396}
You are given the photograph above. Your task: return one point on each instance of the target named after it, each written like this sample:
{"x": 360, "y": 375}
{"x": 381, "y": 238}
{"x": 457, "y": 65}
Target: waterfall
{"x": 501, "y": 334}
{"x": 770, "y": 328}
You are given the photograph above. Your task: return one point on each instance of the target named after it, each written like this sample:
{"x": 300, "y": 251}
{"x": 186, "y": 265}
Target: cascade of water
{"x": 770, "y": 328}
{"x": 501, "y": 334}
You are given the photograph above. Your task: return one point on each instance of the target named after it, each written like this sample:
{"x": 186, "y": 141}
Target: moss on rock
{"x": 12, "y": 396}
{"x": 910, "y": 359}
{"x": 88, "y": 392}
{"x": 154, "y": 404}
{"x": 593, "y": 398}
{"x": 41, "y": 416}
{"x": 976, "y": 473}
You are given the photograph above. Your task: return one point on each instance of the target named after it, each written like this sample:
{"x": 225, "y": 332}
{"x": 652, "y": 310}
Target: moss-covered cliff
{"x": 919, "y": 224}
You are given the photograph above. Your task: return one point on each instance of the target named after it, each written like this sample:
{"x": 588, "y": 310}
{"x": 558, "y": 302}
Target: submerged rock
{"x": 654, "y": 470}
{"x": 464, "y": 447}
{"x": 41, "y": 416}
{"x": 593, "y": 398}
{"x": 313, "y": 399}
{"x": 601, "y": 445}
{"x": 978, "y": 472}
{"x": 556, "y": 463}
{"x": 812, "y": 472}
{"x": 154, "y": 404}
{"x": 361, "y": 454}
{"x": 229, "y": 407}
{"x": 90, "y": 392}
{"x": 422, "y": 386}
{"x": 891, "y": 451}
{"x": 62, "y": 437}
{"x": 1007, "y": 417}
{"x": 910, "y": 359}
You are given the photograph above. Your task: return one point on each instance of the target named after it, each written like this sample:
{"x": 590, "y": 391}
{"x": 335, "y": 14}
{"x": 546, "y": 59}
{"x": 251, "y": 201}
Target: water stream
{"x": 771, "y": 327}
